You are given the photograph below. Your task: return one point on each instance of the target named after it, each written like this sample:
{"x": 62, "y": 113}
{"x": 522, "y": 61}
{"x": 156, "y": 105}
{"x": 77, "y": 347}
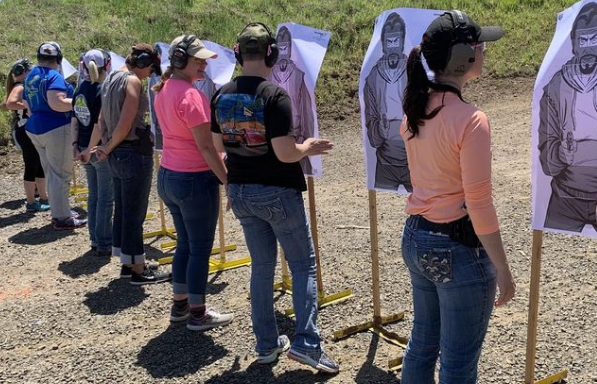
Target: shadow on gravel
{"x": 116, "y": 297}
{"x": 214, "y": 288}
{"x": 15, "y": 219}
{"x": 369, "y": 373}
{"x": 262, "y": 374}
{"x": 13, "y": 205}
{"x": 86, "y": 264}
{"x": 178, "y": 352}
{"x": 37, "y": 236}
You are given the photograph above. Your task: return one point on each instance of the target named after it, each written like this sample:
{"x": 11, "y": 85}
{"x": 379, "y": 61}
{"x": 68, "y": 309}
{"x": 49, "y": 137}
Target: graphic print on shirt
{"x": 82, "y": 110}
{"x": 241, "y": 119}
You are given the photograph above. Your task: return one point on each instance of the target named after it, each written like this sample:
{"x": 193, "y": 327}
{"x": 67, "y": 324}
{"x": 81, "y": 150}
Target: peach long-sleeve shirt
{"x": 450, "y": 164}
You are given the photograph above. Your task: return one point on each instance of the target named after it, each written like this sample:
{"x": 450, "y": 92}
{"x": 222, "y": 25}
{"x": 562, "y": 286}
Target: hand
{"x": 101, "y": 152}
{"x": 317, "y": 146}
{"x": 568, "y": 148}
{"x": 85, "y": 156}
{"x": 506, "y": 286}
{"x": 385, "y": 126}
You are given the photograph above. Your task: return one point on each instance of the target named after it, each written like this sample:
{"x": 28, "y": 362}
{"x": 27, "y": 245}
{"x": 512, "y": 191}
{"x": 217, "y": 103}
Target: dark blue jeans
{"x": 269, "y": 214}
{"x": 193, "y": 199}
{"x": 131, "y": 176}
{"x": 453, "y": 294}
{"x": 100, "y": 203}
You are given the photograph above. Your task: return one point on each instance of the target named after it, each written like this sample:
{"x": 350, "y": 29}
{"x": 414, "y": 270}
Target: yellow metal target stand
{"x": 377, "y": 324}
{"x": 285, "y": 285}
{"x": 77, "y": 189}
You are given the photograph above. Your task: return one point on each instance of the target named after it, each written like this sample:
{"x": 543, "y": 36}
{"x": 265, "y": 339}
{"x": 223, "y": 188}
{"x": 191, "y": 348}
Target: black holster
{"x": 462, "y": 231}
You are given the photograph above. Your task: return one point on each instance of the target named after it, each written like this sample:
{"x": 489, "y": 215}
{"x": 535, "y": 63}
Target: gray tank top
{"x": 113, "y": 94}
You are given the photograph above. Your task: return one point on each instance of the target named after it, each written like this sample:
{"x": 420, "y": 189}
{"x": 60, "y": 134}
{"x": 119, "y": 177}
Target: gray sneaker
{"x": 210, "y": 319}
{"x": 270, "y": 357}
{"x": 317, "y": 359}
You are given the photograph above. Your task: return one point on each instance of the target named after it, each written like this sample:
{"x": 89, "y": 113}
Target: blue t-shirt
{"x": 37, "y": 84}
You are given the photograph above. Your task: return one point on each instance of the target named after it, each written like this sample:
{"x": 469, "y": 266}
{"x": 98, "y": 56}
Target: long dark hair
{"x": 416, "y": 94}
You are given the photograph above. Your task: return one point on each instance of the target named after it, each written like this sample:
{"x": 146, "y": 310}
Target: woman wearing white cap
{"x": 188, "y": 179}
{"x": 451, "y": 242}
{"x": 47, "y": 95}
{"x": 86, "y": 134}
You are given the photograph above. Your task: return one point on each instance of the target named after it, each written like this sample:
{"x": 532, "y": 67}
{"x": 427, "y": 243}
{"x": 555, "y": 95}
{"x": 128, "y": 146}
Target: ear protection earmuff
{"x": 107, "y": 60}
{"x": 179, "y": 57}
{"x": 461, "y": 55}
{"x": 58, "y": 56}
{"x": 272, "y": 53}
{"x": 20, "y": 67}
{"x": 145, "y": 57}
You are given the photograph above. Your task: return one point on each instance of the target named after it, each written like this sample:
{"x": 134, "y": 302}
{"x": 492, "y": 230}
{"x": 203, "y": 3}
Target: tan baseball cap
{"x": 195, "y": 49}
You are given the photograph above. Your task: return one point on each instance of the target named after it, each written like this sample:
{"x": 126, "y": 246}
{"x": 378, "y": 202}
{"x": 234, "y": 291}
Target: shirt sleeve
{"x": 475, "y": 165}
{"x": 194, "y": 109}
{"x": 57, "y": 83}
{"x": 279, "y": 115}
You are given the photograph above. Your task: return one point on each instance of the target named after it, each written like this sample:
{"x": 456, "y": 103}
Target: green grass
{"x": 116, "y": 24}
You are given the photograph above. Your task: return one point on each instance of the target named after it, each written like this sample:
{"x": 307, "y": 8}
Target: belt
{"x": 419, "y": 222}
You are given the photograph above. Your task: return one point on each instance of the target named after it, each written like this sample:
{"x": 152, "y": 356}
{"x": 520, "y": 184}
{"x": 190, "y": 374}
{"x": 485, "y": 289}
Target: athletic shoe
{"x": 70, "y": 223}
{"x": 270, "y": 357}
{"x": 149, "y": 276}
{"x": 33, "y": 207}
{"x": 317, "y": 359}
{"x": 209, "y": 319}
{"x": 107, "y": 252}
{"x": 44, "y": 205}
{"x": 180, "y": 311}
{"x": 73, "y": 214}
{"x": 126, "y": 272}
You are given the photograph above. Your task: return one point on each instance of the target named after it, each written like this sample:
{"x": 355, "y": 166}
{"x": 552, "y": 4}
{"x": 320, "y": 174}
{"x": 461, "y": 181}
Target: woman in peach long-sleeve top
{"x": 451, "y": 242}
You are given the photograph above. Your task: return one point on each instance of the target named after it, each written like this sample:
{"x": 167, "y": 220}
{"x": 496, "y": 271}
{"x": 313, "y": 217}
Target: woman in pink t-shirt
{"x": 188, "y": 179}
{"x": 451, "y": 242}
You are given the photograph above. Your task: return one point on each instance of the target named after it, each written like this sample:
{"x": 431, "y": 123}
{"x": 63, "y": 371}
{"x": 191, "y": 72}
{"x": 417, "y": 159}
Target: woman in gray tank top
{"x": 129, "y": 150}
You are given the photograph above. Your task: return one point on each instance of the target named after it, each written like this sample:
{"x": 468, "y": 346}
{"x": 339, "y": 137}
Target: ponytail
{"x": 416, "y": 94}
{"x": 165, "y": 76}
{"x": 10, "y": 84}
{"x": 93, "y": 72}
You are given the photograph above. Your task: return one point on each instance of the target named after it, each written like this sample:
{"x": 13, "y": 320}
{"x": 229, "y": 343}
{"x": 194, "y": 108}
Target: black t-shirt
{"x": 87, "y": 103}
{"x": 249, "y": 112}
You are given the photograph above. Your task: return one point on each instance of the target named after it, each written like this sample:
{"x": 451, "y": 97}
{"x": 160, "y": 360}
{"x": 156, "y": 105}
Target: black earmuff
{"x": 107, "y": 60}
{"x": 272, "y": 53}
{"x": 58, "y": 56}
{"x": 179, "y": 57}
{"x": 461, "y": 55}
{"x": 20, "y": 67}
{"x": 145, "y": 57}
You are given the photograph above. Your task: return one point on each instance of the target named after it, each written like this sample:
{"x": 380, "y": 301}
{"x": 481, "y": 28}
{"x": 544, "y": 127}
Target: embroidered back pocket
{"x": 436, "y": 264}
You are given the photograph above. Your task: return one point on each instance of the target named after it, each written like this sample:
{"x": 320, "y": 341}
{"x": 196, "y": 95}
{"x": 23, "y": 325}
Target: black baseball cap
{"x": 455, "y": 27}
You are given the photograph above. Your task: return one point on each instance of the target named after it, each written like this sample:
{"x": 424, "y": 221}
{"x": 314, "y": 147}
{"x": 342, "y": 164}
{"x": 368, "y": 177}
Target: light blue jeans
{"x": 100, "y": 203}
{"x": 269, "y": 214}
{"x": 454, "y": 289}
{"x": 193, "y": 199}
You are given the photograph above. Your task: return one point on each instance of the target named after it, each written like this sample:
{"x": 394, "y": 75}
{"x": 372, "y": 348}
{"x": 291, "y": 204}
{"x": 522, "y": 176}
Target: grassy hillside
{"x": 116, "y": 24}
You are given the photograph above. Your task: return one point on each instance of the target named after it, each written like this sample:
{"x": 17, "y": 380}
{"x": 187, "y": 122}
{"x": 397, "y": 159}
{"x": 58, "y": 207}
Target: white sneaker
{"x": 283, "y": 346}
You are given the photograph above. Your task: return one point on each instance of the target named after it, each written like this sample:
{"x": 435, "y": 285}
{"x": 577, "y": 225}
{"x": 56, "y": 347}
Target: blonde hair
{"x": 10, "y": 84}
{"x": 165, "y": 76}
{"x": 96, "y": 74}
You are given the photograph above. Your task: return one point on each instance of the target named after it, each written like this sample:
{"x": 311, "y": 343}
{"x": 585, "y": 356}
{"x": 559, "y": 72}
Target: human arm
{"x": 96, "y": 136}
{"x": 204, "y": 141}
{"x": 288, "y": 151}
{"x": 58, "y": 101}
{"x": 375, "y": 122}
{"x": 74, "y": 136}
{"x": 475, "y": 165}
{"x": 14, "y": 101}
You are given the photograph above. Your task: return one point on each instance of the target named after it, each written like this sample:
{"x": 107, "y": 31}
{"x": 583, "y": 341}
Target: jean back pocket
{"x": 436, "y": 264}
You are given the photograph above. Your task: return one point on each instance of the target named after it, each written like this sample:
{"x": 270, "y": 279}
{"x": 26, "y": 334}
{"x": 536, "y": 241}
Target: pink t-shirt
{"x": 179, "y": 107}
{"x": 450, "y": 164}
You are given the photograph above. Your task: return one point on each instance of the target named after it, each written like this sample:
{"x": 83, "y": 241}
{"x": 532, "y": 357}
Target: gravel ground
{"x": 66, "y": 317}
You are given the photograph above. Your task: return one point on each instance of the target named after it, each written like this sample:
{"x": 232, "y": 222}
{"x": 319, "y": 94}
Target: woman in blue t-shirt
{"x": 86, "y": 134}
{"x": 33, "y": 177}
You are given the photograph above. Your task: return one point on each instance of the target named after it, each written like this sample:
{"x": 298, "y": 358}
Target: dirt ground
{"x": 67, "y": 317}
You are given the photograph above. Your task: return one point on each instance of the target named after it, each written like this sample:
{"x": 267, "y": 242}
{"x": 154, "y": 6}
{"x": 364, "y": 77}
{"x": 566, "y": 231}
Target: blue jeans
{"x": 193, "y": 199}
{"x": 454, "y": 289}
{"x": 267, "y": 214}
{"x": 100, "y": 203}
{"x": 131, "y": 175}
